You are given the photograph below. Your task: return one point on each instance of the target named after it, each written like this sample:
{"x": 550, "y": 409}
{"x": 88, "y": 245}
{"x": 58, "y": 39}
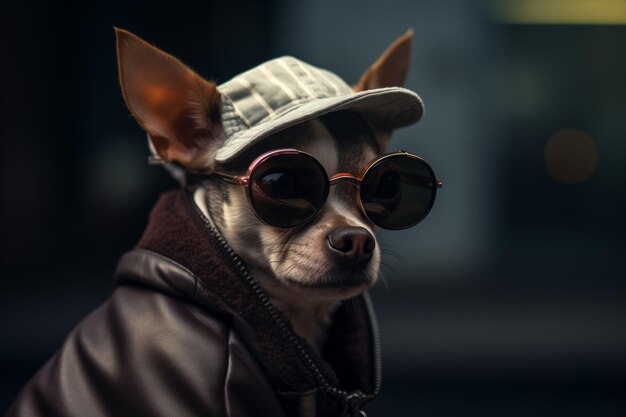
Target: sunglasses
{"x": 287, "y": 188}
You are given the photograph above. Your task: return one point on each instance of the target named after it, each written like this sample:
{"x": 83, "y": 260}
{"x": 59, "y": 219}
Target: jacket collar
{"x": 181, "y": 253}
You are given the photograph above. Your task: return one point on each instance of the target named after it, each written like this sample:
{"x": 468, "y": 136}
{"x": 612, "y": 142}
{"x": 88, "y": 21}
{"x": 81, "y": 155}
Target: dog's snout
{"x": 352, "y": 245}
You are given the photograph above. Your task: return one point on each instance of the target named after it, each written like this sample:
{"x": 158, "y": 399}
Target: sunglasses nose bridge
{"x": 345, "y": 179}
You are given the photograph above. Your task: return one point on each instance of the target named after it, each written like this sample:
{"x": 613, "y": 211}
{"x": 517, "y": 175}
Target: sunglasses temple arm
{"x": 231, "y": 179}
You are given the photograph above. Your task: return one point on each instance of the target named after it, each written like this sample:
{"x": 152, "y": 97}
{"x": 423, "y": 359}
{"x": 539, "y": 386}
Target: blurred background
{"x": 508, "y": 300}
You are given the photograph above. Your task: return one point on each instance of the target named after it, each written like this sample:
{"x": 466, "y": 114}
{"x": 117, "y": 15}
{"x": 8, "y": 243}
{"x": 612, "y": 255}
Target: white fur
{"x": 322, "y": 147}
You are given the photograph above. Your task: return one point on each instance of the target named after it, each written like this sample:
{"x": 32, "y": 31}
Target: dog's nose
{"x": 352, "y": 245}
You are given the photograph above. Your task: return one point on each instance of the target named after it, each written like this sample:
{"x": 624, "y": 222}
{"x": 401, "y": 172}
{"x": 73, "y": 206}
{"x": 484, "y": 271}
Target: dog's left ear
{"x": 179, "y": 109}
{"x": 390, "y": 70}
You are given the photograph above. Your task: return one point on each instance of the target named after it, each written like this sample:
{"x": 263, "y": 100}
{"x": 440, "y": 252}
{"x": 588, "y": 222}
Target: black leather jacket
{"x": 188, "y": 332}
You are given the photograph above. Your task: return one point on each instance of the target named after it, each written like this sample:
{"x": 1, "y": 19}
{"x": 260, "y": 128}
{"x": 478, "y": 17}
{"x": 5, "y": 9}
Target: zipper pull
{"x": 354, "y": 411}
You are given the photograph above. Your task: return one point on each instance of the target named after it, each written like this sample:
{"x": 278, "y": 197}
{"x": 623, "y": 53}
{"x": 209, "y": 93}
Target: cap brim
{"x": 386, "y": 108}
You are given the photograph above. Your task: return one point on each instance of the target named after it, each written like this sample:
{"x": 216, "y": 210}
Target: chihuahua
{"x": 232, "y": 303}
{"x": 310, "y": 255}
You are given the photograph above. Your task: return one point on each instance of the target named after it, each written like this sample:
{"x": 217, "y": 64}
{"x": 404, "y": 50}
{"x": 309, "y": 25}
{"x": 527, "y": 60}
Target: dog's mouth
{"x": 338, "y": 279}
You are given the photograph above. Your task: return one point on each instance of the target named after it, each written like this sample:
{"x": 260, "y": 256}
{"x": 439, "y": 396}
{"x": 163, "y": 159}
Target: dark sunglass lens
{"x": 287, "y": 190}
{"x": 398, "y": 192}
{"x": 280, "y": 184}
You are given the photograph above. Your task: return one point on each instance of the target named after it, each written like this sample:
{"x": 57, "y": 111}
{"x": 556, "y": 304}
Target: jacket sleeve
{"x": 144, "y": 353}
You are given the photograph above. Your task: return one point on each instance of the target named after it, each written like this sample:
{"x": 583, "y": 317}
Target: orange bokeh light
{"x": 571, "y": 156}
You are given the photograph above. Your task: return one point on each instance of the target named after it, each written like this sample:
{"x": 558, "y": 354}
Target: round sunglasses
{"x": 287, "y": 188}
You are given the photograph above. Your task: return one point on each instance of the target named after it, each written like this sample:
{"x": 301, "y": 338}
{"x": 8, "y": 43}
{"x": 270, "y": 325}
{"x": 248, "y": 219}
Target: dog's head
{"x": 335, "y": 255}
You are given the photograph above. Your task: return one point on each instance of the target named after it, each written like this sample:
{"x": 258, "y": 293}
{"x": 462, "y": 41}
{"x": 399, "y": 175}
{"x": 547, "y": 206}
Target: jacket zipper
{"x": 353, "y": 400}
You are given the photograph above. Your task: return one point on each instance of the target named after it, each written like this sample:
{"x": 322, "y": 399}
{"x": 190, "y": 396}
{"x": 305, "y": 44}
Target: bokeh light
{"x": 571, "y": 156}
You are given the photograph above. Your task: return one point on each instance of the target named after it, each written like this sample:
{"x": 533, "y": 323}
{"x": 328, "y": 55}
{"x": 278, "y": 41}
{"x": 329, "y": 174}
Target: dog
{"x": 247, "y": 295}
{"x": 294, "y": 266}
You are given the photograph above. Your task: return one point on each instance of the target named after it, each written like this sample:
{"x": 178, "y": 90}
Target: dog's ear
{"x": 391, "y": 68}
{"x": 178, "y": 108}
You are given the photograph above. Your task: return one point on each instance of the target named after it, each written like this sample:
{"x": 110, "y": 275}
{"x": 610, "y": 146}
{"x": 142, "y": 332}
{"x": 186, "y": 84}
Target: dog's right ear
{"x": 179, "y": 109}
